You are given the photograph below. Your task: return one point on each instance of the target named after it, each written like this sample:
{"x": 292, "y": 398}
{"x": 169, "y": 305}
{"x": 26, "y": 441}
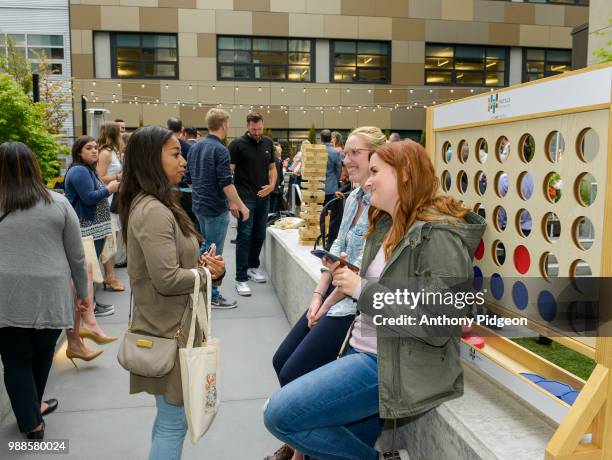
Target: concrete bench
{"x": 486, "y": 423}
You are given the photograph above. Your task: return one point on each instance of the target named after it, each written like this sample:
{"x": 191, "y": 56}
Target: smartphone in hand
{"x": 320, "y": 253}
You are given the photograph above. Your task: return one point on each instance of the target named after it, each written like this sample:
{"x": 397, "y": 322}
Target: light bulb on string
{"x": 118, "y": 85}
{"x": 472, "y": 90}
{"x": 190, "y": 87}
{"x": 430, "y": 91}
{"x": 236, "y": 89}
{"x": 93, "y": 83}
{"x": 369, "y": 91}
{"x": 91, "y": 93}
{"x": 282, "y": 90}
{"x": 390, "y": 91}
{"x": 142, "y": 86}
{"x": 259, "y": 89}
{"x": 166, "y": 85}
{"x": 303, "y": 90}
{"x": 326, "y": 90}
{"x": 452, "y": 91}
{"x": 348, "y": 90}
{"x": 411, "y": 91}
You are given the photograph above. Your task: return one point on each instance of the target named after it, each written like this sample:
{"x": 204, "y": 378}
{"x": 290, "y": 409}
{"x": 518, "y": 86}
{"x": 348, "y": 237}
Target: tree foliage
{"x": 312, "y": 134}
{"x": 604, "y": 54}
{"x": 24, "y": 121}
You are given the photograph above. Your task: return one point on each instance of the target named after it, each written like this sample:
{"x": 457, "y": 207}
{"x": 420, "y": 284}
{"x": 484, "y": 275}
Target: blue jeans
{"x": 330, "y": 413}
{"x": 214, "y": 230}
{"x": 169, "y": 431}
{"x": 251, "y": 236}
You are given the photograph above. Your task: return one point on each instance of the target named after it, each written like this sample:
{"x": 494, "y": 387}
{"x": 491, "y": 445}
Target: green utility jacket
{"x": 419, "y": 369}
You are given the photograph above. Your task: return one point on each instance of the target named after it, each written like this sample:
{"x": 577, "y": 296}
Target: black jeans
{"x": 305, "y": 349}
{"x": 27, "y": 355}
{"x": 336, "y": 210}
{"x": 251, "y": 236}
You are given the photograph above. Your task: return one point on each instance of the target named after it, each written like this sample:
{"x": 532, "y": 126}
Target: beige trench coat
{"x": 160, "y": 258}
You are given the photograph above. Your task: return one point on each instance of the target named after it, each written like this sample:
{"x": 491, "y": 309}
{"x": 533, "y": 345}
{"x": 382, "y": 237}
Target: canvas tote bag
{"x": 200, "y": 365}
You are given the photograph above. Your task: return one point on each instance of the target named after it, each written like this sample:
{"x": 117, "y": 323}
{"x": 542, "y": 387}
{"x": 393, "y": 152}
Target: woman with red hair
{"x": 417, "y": 240}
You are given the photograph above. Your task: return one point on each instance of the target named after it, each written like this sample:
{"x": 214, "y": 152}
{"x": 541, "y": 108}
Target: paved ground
{"x": 103, "y": 421}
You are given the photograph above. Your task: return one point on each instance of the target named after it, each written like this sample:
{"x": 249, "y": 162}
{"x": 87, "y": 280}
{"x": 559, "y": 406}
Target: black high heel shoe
{"x": 37, "y": 434}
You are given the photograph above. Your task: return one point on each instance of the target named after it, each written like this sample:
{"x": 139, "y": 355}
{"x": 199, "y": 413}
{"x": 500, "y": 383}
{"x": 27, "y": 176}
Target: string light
{"x": 142, "y": 86}
{"x": 190, "y": 87}
{"x": 259, "y": 89}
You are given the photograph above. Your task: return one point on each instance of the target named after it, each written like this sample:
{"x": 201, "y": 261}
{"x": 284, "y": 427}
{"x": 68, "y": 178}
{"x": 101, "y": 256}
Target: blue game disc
{"x": 547, "y": 306}
{"x": 497, "y": 286}
{"x": 520, "y": 295}
{"x": 478, "y": 279}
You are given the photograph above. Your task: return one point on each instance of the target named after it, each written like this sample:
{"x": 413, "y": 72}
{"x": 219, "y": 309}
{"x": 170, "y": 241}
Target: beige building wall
{"x": 406, "y": 24}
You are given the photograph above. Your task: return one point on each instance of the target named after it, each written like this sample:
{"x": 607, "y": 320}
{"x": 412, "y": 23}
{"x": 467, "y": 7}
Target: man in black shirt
{"x": 252, "y": 161}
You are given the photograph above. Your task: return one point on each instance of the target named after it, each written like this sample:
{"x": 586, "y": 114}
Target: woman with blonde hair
{"x": 317, "y": 336}
{"x": 110, "y": 168}
{"x": 415, "y": 238}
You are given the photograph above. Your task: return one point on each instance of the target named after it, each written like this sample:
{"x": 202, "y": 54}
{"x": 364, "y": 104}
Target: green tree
{"x": 22, "y": 120}
{"x": 422, "y": 139}
{"x": 16, "y": 64}
{"x": 312, "y": 134}
{"x": 604, "y": 54}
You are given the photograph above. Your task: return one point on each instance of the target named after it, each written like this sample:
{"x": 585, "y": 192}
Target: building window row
{"x": 555, "y": 2}
{"x": 459, "y": 65}
{"x": 148, "y": 55}
{"x": 144, "y": 55}
{"x": 539, "y": 62}
{"x": 34, "y": 46}
{"x": 268, "y": 59}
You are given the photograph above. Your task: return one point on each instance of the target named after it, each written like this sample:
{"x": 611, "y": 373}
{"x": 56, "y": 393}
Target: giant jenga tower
{"x": 314, "y": 167}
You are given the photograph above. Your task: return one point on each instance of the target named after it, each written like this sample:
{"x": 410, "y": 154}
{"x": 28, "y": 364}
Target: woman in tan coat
{"x": 163, "y": 247}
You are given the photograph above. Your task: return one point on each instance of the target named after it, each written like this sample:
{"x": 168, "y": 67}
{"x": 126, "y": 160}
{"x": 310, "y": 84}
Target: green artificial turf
{"x": 568, "y": 359}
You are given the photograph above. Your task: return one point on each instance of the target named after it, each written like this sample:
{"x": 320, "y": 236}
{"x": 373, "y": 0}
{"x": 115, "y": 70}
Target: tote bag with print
{"x": 200, "y": 365}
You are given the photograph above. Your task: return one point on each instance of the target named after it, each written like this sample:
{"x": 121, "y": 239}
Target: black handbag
{"x": 114, "y": 206}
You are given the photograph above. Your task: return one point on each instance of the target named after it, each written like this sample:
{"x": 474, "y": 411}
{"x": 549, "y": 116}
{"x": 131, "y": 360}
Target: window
{"x": 466, "y": 65}
{"x": 561, "y": 2}
{"x": 34, "y": 46}
{"x": 360, "y": 62}
{"x": 144, "y": 55}
{"x": 555, "y": 2}
{"x": 268, "y": 59}
{"x": 540, "y": 62}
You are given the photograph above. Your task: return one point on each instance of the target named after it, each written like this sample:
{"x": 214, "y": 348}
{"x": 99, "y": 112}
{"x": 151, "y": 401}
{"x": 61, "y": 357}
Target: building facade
{"x": 36, "y": 27}
{"x": 334, "y": 64}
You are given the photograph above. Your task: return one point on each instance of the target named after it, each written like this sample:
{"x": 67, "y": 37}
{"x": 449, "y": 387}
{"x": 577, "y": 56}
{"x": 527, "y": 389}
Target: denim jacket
{"x": 351, "y": 241}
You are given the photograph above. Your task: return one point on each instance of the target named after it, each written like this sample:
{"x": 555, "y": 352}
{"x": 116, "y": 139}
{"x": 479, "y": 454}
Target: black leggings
{"x": 305, "y": 349}
{"x": 27, "y": 355}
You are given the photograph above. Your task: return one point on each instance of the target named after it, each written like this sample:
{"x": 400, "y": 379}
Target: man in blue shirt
{"x": 332, "y": 184}
{"x": 214, "y": 193}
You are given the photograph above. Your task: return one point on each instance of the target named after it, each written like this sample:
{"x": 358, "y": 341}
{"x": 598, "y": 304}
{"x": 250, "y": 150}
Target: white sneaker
{"x": 243, "y": 289}
{"x": 255, "y": 275}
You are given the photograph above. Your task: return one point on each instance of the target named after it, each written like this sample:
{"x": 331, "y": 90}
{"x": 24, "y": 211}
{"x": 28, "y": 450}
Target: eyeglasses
{"x": 352, "y": 153}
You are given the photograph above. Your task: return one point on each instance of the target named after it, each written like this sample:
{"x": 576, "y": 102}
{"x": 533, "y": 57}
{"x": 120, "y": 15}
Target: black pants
{"x": 251, "y": 236}
{"x": 27, "y": 355}
{"x": 305, "y": 349}
{"x": 335, "y": 219}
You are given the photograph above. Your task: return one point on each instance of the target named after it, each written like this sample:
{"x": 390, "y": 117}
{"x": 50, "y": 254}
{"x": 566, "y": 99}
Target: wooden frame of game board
{"x": 592, "y": 410}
